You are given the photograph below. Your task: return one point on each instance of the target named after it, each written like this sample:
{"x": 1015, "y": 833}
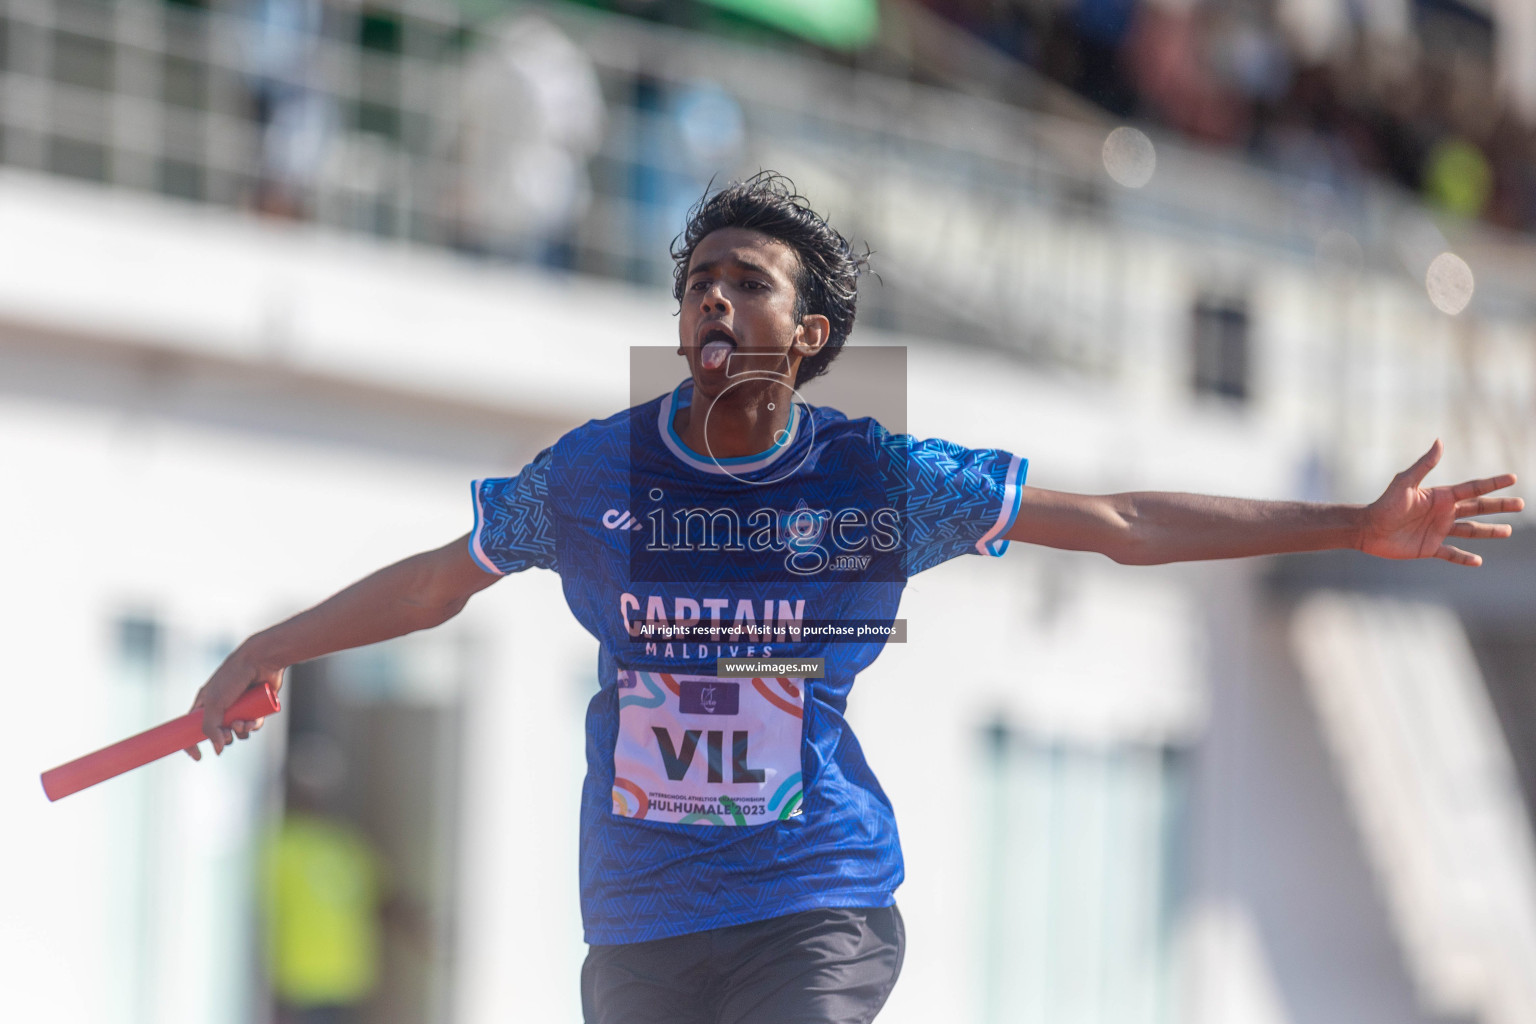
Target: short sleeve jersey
{"x": 832, "y": 520}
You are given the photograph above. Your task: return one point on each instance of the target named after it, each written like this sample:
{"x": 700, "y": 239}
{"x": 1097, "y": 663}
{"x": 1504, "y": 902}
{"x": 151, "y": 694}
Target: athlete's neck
{"x": 724, "y": 427}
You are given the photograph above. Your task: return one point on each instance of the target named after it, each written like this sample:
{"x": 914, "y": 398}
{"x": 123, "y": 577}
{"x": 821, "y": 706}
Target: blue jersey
{"x": 713, "y": 800}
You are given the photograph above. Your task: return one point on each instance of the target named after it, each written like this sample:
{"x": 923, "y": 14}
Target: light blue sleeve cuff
{"x": 995, "y": 541}
{"x": 476, "y": 550}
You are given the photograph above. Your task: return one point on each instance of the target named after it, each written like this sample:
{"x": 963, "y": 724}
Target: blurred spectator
{"x": 1251, "y": 60}
{"x": 321, "y": 887}
{"x": 1324, "y": 91}
{"x": 531, "y": 117}
{"x": 281, "y": 41}
{"x": 699, "y": 139}
{"x": 1176, "y": 81}
{"x": 1101, "y": 27}
{"x": 687, "y": 135}
{"x": 1457, "y": 177}
{"x": 1514, "y": 176}
{"x": 710, "y": 125}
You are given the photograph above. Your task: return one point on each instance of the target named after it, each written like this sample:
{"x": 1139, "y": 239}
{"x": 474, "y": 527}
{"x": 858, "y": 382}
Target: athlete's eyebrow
{"x": 710, "y": 265}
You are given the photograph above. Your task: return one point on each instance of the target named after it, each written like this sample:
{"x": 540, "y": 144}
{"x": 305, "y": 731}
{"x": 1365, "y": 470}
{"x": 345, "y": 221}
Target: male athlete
{"x": 739, "y": 860}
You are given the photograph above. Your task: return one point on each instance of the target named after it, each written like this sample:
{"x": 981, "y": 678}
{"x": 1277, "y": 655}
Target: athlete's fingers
{"x": 1481, "y": 531}
{"x": 1488, "y": 506}
{"x": 1472, "y": 488}
{"x": 1460, "y": 557}
{"x": 213, "y": 730}
{"x": 1416, "y": 473}
{"x": 197, "y": 702}
{"x": 242, "y": 728}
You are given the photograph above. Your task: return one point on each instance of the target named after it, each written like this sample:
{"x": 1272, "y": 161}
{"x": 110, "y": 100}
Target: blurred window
{"x": 181, "y": 179}
{"x": 82, "y": 60}
{"x": 379, "y": 119}
{"x": 140, "y": 646}
{"x": 184, "y": 83}
{"x": 71, "y": 158}
{"x": 1220, "y": 337}
{"x": 380, "y": 30}
{"x": 1082, "y": 847}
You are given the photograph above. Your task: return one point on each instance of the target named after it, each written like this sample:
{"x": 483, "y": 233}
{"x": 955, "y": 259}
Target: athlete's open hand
{"x": 1413, "y": 521}
{"x": 231, "y": 679}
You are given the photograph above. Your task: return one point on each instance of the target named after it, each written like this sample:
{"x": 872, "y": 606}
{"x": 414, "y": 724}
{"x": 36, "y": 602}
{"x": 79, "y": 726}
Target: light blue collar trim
{"x": 741, "y": 464}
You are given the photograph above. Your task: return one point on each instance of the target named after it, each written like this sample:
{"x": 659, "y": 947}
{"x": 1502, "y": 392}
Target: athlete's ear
{"x": 811, "y": 335}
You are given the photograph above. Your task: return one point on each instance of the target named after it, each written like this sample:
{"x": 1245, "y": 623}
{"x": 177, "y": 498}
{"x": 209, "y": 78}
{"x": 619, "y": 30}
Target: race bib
{"x": 700, "y": 750}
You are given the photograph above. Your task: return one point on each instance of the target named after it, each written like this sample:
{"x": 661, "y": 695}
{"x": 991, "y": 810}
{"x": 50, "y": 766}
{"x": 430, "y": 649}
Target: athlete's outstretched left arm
{"x": 1153, "y": 527}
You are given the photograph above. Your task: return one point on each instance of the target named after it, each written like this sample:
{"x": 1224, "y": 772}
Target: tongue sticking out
{"x": 714, "y": 354}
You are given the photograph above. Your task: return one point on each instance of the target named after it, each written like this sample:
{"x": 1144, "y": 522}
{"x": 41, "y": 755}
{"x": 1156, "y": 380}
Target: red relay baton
{"x": 152, "y": 744}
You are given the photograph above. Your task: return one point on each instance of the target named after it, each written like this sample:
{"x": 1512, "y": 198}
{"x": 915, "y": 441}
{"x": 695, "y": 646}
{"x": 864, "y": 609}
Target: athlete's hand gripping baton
{"x": 152, "y": 744}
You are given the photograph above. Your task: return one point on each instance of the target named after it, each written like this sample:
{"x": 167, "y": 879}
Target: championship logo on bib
{"x": 700, "y": 750}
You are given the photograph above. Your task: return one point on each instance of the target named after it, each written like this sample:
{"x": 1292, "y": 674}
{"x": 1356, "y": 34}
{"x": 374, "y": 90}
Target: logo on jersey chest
{"x": 613, "y": 519}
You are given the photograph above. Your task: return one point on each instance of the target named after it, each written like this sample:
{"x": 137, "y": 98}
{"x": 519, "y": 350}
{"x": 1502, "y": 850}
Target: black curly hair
{"x": 828, "y": 280}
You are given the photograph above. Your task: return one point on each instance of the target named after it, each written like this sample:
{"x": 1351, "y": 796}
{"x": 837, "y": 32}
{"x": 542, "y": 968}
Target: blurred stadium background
{"x": 281, "y": 276}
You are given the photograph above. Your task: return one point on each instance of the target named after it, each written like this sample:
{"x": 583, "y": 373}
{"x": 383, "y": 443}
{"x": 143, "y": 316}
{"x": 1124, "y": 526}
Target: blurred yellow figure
{"x": 1458, "y": 178}
{"x": 321, "y": 890}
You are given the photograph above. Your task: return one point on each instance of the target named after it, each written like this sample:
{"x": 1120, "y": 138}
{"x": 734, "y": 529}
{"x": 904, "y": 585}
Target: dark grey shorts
{"x": 834, "y": 966}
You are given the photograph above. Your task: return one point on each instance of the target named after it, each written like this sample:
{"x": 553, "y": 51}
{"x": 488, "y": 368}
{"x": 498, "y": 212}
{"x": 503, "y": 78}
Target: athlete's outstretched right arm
{"x": 419, "y": 592}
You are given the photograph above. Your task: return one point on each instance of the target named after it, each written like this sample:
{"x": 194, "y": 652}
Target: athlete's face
{"x": 738, "y": 312}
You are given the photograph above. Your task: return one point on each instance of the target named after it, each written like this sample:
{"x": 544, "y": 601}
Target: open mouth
{"x": 716, "y": 348}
